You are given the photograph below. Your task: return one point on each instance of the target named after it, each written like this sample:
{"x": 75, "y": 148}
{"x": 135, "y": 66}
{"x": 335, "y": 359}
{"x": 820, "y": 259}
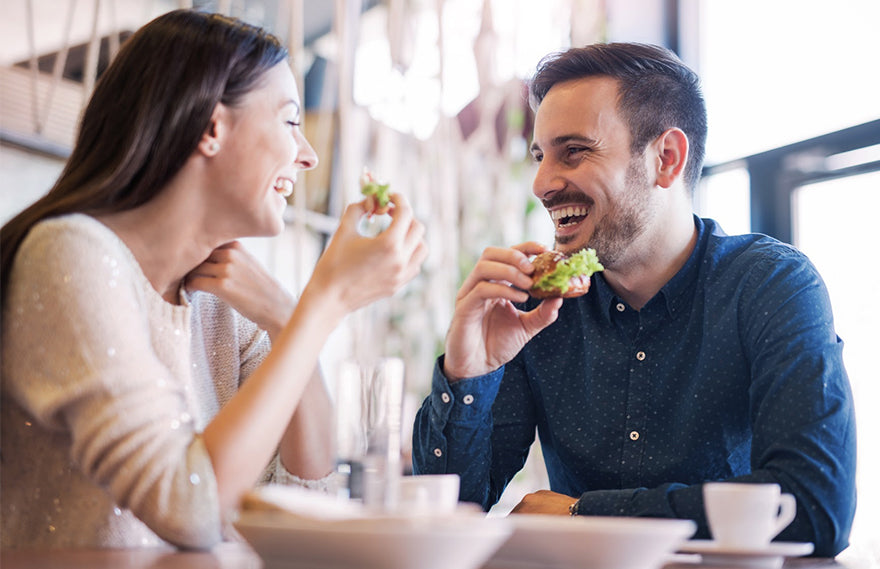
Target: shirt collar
{"x": 605, "y": 297}
{"x": 676, "y": 293}
{"x": 679, "y": 290}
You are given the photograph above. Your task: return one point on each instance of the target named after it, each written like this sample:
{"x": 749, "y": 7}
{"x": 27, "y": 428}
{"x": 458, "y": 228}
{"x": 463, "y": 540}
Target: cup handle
{"x": 787, "y": 511}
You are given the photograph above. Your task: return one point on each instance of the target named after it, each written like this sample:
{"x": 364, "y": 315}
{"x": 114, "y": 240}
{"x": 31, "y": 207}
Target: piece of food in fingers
{"x": 558, "y": 275}
{"x": 378, "y": 190}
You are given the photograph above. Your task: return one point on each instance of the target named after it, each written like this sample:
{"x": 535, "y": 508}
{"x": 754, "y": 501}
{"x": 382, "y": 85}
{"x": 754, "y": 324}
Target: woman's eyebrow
{"x": 293, "y": 102}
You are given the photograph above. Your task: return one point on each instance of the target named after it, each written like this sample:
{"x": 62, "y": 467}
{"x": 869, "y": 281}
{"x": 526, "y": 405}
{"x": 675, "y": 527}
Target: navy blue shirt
{"x": 733, "y": 371}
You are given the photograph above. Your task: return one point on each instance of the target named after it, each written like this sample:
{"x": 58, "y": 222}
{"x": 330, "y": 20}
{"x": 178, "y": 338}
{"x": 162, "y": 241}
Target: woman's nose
{"x": 306, "y": 157}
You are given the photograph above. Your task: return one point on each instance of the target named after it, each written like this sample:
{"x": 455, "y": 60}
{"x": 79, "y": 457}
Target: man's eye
{"x": 574, "y": 150}
{"x": 294, "y": 123}
{"x": 537, "y": 157}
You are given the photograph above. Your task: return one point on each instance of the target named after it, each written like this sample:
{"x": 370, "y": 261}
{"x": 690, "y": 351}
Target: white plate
{"x": 768, "y": 557}
{"x": 590, "y": 542}
{"x": 285, "y": 540}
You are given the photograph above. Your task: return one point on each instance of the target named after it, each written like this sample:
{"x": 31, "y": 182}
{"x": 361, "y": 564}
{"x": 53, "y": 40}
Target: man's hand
{"x": 487, "y": 331}
{"x": 544, "y": 502}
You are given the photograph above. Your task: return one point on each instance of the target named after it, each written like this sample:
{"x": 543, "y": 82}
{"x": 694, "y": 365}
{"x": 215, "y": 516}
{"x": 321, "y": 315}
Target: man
{"x": 694, "y": 357}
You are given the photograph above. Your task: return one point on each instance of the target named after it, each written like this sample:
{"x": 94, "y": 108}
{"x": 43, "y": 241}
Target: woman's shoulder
{"x": 71, "y": 237}
{"x": 70, "y": 230}
{"x": 70, "y": 249}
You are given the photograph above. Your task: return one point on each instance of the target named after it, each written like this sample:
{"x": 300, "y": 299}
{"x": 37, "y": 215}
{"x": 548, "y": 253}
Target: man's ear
{"x": 672, "y": 153}
{"x": 212, "y": 138}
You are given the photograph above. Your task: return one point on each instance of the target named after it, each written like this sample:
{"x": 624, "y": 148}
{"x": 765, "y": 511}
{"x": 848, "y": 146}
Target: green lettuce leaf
{"x": 584, "y": 262}
{"x": 369, "y": 187}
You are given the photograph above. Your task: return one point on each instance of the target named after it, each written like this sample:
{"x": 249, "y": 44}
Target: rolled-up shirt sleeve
{"x": 453, "y": 432}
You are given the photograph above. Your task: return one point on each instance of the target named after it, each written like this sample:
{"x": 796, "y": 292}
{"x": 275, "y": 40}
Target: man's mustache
{"x": 567, "y": 198}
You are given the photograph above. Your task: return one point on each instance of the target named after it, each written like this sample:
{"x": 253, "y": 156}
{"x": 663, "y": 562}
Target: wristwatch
{"x": 573, "y": 508}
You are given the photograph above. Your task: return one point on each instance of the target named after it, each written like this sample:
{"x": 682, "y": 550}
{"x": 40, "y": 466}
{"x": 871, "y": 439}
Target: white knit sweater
{"x": 105, "y": 391}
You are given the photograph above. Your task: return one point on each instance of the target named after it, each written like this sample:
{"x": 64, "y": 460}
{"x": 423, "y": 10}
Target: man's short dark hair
{"x": 657, "y": 92}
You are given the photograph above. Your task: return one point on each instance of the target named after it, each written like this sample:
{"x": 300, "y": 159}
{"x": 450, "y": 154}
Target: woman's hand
{"x": 233, "y": 274}
{"x": 359, "y": 270}
{"x": 487, "y": 330}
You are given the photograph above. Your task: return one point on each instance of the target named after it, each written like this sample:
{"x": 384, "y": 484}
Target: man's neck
{"x": 655, "y": 260}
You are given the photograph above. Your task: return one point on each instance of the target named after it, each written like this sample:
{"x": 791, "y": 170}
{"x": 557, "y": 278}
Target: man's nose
{"x": 547, "y": 181}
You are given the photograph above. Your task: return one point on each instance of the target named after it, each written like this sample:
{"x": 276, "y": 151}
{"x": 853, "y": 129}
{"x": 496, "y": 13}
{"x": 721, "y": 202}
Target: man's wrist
{"x": 573, "y": 508}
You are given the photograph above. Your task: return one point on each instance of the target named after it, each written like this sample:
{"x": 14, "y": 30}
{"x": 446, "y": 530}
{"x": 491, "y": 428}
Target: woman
{"x": 132, "y": 317}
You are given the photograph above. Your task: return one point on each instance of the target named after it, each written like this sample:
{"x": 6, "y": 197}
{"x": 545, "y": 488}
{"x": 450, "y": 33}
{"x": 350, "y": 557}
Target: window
{"x": 787, "y": 70}
{"x": 794, "y": 139}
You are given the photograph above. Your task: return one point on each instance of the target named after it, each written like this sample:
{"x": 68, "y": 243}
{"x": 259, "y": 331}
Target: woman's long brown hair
{"x": 147, "y": 114}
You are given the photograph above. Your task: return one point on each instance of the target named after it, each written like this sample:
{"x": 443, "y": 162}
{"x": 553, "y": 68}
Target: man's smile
{"x": 569, "y": 216}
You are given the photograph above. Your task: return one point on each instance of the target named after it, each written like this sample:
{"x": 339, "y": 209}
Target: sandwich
{"x": 558, "y": 275}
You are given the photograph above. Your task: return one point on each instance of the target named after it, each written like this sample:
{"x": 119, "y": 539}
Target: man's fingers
{"x": 541, "y": 316}
{"x": 488, "y": 290}
{"x": 530, "y": 248}
{"x": 498, "y": 269}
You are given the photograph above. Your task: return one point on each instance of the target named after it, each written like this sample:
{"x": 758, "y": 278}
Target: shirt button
{"x": 445, "y": 397}
{"x": 468, "y": 399}
{"x": 640, "y": 356}
{"x": 620, "y": 307}
{"x": 633, "y": 436}
{"x": 438, "y": 453}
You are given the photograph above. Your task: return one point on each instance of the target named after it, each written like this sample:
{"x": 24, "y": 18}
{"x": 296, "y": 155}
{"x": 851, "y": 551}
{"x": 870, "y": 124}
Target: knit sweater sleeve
{"x": 99, "y": 356}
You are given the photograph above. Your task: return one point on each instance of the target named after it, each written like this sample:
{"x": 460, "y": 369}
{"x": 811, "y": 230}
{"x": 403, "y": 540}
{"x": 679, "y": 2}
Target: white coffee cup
{"x": 430, "y": 494}
{"x": 746, "y": 515}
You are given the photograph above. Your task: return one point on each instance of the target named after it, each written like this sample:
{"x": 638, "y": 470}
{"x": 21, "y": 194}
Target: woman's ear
{"x": 210, "y": 143}
{"x": 672, "y": 153}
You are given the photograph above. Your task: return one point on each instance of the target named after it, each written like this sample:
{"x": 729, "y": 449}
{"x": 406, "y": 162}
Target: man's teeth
{"x": 284, "y": 187}
{"x": 558, "y": 215}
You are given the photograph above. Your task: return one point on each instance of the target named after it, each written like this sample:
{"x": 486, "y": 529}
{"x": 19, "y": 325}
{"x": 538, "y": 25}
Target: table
{"x": 240, "y": 556}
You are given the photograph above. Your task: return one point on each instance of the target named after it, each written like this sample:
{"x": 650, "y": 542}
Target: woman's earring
{"x": 213, "y": 147}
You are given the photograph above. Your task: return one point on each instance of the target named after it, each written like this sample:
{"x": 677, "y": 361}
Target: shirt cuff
{"x": 466, "y": 400}
{"x": 634, "y": 502}
{"x": 605, "y": 503}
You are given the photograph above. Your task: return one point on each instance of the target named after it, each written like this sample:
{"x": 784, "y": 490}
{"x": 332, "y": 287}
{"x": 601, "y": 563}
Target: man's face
{"x": 596, "y": 192}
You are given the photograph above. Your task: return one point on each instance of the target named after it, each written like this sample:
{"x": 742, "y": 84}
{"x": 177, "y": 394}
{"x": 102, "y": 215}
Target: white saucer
{"x": 768, "y": 557}
{"x": 543, "y": 541}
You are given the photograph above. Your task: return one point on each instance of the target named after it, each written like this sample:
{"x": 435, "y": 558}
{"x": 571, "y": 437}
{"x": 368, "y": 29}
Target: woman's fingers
{"x": 401, "y": 217}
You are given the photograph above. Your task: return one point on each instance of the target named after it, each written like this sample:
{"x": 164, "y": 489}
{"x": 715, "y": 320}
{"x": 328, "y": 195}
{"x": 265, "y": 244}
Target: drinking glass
{"x": 369, "y": 406}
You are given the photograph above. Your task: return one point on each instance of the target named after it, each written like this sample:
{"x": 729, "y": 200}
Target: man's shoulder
{"x": 753, "y": 261}
{"x": 749, "y": 251}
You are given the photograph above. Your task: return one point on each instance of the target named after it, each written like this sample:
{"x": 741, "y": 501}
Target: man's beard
{"x": 627, "y": 219}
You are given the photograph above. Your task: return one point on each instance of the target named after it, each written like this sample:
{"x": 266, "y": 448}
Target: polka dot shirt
{"x": 732, "y": 371}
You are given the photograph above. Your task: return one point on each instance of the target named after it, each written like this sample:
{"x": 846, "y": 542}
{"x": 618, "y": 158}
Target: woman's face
{"x": 262, "y": 150}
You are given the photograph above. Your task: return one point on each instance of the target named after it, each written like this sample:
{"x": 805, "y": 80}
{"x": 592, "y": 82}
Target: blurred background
{"x": 429, "y": 94}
